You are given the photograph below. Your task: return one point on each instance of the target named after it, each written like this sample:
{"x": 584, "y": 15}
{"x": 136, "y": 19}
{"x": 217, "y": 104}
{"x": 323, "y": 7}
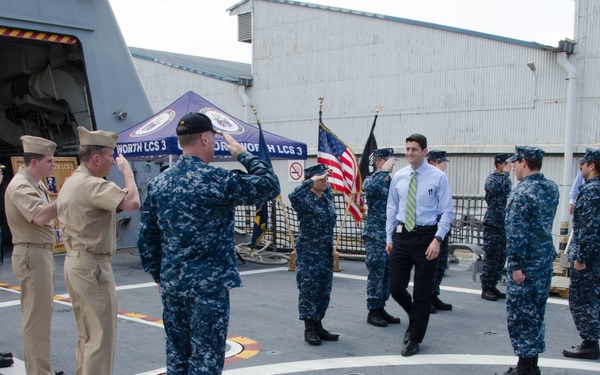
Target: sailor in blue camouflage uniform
{"x": 376, "y": 188}
{"x": 186, "y": 242}
{"x": 497, "y": 189}
{"x": 530, "y": 251}
{"x": 584, "y": 255}
{"x": 313, "y": 203}
{"x": 438, "y": 159}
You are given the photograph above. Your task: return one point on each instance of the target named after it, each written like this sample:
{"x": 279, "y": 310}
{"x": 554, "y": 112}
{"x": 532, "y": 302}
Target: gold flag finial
{"x": 255, "y": 114}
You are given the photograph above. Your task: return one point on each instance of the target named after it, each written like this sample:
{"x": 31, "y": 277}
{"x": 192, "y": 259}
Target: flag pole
{"x": 336, "y": 254}
{"x": 263, "y": 154}
{"x": 336, "y": 266}
{"x": 366, "y": 158}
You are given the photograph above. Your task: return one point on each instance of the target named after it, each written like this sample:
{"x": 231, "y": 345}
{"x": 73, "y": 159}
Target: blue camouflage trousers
{"x": 196, "y": 329}
{"x": 441, "y": 266}
{"x": 378, "y": 291}
{"x": 525, "y": 310}
{"x": 314, "y": 277}
{"x": 584, "y": 301}
{"x": 494, "y": 240}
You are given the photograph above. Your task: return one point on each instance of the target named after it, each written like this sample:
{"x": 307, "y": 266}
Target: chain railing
{"x": 467, "y": 227}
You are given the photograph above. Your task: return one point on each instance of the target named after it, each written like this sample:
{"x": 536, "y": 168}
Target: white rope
{"x": 260, "y": 255}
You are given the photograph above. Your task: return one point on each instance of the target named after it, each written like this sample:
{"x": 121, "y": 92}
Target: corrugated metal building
{"x": 470, "y": 93}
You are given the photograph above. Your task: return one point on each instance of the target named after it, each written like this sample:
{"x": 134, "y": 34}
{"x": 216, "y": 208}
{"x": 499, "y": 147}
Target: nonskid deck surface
{"x": 266, "y": 337}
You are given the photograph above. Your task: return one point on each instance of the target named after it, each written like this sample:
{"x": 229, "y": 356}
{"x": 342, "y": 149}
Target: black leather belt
{"x": 421, "y": 228}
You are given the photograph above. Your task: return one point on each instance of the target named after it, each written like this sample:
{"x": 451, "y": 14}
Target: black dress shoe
{"x": 6, "y": 362}
{"x": 6, "y": 354}
{"x": 587, "y": 350}
{"x": 410, "y": 349}
{"x": 389, "y": 318}
{"x": 439, "y": 304}
{"x": 498, "y": 293}
{"x": 374, "y": 318}
{"x": 59, "y": 372}
{"x": 488, "y": 295}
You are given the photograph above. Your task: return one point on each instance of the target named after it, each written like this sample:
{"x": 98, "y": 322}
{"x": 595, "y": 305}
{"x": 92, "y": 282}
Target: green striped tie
{"x": 411, "y": 203}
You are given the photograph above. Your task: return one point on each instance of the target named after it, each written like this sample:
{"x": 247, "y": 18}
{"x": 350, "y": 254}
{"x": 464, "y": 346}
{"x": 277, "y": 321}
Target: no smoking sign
{"x": 295, "y": 171}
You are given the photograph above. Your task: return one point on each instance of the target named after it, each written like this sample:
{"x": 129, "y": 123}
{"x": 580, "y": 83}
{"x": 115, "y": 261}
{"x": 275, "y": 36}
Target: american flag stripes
{"x": 344, "y": 174}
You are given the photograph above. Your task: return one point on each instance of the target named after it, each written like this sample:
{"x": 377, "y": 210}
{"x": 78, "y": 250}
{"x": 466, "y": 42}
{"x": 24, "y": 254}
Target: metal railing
{"x": 467, "y": 227}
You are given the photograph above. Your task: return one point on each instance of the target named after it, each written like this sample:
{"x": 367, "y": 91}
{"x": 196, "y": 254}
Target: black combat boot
{"x": 310, "y": 333}
{"x": 525, "y": 366}
{"x": 389, "y": 318}
{"x": 536, "y": 369}
{"x": 325, "y": 334}
{"x": 488, "y": 294}
{"x": 587, "y": 350}
{"x": 439, "y": 304}
{"x": 374, "y": 317}
{"x": 498, "y": 293}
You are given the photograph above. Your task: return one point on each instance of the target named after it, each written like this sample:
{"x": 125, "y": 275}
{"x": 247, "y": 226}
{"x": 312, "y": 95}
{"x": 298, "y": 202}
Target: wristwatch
{"x": 438, "y": 238}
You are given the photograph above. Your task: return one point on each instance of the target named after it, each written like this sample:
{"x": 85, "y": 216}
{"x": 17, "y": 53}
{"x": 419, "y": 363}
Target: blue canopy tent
{"x": 156, "y": 135}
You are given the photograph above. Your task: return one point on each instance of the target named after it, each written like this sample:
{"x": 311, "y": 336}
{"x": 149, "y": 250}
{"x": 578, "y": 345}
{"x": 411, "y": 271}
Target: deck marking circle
{"x": 240, "y": 348}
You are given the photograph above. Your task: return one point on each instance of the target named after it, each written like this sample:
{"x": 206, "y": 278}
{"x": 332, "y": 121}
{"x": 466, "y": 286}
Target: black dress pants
{"x": 409, "y": 250}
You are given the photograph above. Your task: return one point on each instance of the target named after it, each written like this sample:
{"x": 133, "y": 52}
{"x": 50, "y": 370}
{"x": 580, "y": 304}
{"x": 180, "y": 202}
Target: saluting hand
{"x": 122, "y": 164}
{"x": 320, "y": 177}
{"x": 388, "y": 165}
{"x": 233, "y": 146}
{"x": 507, "y": 168}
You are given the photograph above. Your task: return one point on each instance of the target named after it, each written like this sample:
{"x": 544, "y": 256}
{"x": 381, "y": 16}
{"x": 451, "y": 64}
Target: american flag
{"x": 344, "y": 174}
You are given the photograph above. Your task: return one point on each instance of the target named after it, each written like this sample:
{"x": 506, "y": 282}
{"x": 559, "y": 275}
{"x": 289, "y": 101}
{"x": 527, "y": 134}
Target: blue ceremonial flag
{"x": 262, "y": 214}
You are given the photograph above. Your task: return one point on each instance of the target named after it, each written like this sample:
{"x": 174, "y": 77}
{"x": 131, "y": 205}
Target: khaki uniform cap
{"x": 37, "y": 145}
{"x": 97, "y": 138}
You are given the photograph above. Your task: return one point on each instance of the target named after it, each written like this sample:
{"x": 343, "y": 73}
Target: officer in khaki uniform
{"x": 87, "y": 204}
{"x": 30, "y": 214}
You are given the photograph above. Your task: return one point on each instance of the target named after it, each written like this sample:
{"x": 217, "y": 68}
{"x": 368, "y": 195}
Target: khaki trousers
{"x": 33, "y": 266}
{"x": 91, "y": 286}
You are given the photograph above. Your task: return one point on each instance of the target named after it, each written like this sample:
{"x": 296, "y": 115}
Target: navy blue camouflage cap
{"x": 590, "y": 154}
{"x": 315, "y": 170}
{"x": 437, "y": 155}
{"x": 194, "y": 123}
{"x": 526, "y": 152}
{"x": 501, "y": 158}
{"x": 384, "y": 153}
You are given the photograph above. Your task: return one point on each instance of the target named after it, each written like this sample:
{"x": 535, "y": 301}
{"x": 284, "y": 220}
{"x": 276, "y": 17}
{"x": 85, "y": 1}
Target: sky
{"x": 204, "y": 27}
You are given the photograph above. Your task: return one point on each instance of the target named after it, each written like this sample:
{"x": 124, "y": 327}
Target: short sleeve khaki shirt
{"x": 86, "y": 212}
{"x": 24, "y": 198}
